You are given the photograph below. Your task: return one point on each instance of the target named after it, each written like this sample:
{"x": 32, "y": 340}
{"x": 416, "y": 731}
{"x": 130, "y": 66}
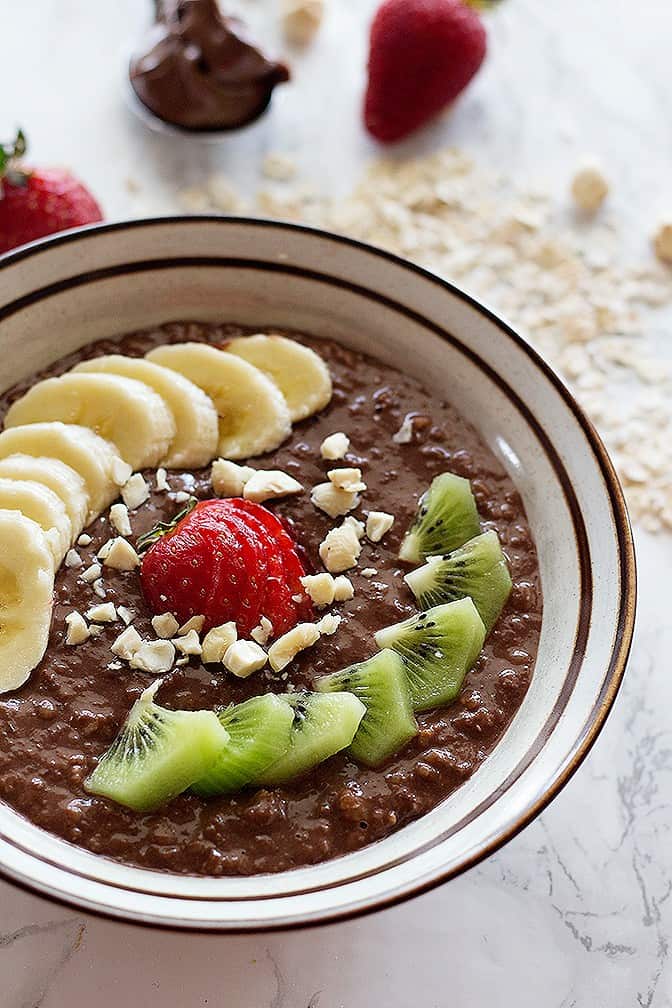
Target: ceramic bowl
{"x": 61, "y": 293}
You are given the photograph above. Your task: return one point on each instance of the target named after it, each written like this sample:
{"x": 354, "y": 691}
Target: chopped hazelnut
{"x": 319, "y": 588}
{"x": 265, "y": 485}
{"x": 217, "y": 642}
{"x": 228, "y": 478}
{"x": 165, "y": 625}
{"x": 194, "y": 623}
{"x": 589, "y": 188}
{"x": 135, "y": 491}
{"x": 335, "y": 447}
{"x": 340, "y": 549}
{"x": 121, "y": 556}
{"x": 332, "y": 501}
{"x": 349, "y": 480}
{"x": 302, "y": 636}
{"x": 244, "y": 657}
{"x": 119, "y": 518}
{"x": 127, "y": 643}
{"x": 154, "y": 656}
{"x": 77, "y": 631}
{"x": 378, "y": 524}
{"x": 105, "y": 613}
{"x": 343, "y": 589}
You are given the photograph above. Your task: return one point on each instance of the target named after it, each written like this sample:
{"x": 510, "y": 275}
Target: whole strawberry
{"x": 37, "y": 202}
{"x": 423, "y": 53}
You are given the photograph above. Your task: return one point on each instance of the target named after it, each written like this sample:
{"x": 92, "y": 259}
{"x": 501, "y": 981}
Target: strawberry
{"x": 37, "y": 202}
{"x": 423, "y": 53}
{"x": 227, "y": 560}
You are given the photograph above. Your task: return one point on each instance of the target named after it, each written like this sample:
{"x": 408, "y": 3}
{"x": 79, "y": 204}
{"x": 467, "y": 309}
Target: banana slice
{"x": 253, "y": 414}
{"x": 95, "y": 459}
{"x": 38, "y": 502}
{"x": 300, "y": 374}
{"x": 196, "y": 435}
{"x": 26, "y": 597}
{"x": 122, "y": 410}
{"x": 56, "y": 476}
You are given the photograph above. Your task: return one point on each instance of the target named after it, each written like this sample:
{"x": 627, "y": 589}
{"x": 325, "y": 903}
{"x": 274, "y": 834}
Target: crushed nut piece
{"x": 405, "y": 433}
{"x": 99, "y": 587}
{"x": 121, "y": 556}
{"x": 263, "y": 633}
{"x": 335, "y": 447}
{"x": 343, "y": 589}
{"x": 301, "y": 20}
{"x": 662, "y": 242}
{"x": 332, "y": 501}
{"x": 319, "y": 588}
{"x": 84, "y": 539}
{"x": 127, "y": 643}
{"x": 135, "y": 491}
{"x": 105, "y": 613}
{"x": 244, "y": 657}
{"x": 119, "y": 518}
{"x": 329, "y": 624}
{"x": 195, "y": 623}
{"x": 228, "y": 478}
{"x": 73, "y": 559}
{"x": 189, "y": 644}
{"x": 165, "y": 625}
{"x": 154, "y": 656}
{"x": 349, "y": 480}
{"x": 302, "y": 636}
{"x": 91, "y": 573}
{"x": 162, "y": 484}
{"x": 340, "y": 549}
{"x": 265, "y": 485}
{"x": 120, "y": 471}
{"x": 77, "y": 631}
{"x": 217, "y": 642}
{"x": 378, "y": 524}
{"x": 369, "y": 572}
{"x": 126, "y": 615}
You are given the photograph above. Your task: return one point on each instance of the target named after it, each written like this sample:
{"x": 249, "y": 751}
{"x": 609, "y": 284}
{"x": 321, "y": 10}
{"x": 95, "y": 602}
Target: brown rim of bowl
{"x": 625, "y": 625}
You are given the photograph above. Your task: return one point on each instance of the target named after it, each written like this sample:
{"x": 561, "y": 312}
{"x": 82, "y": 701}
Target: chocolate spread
{"x": 68, "y": 713}
{"x": 200, "y": 71}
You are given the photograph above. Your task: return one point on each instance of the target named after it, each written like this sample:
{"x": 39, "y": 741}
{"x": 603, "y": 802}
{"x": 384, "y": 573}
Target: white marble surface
{"x": 576, "y": 912}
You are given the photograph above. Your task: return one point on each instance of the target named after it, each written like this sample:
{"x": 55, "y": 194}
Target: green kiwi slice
{"x": 324, "y": 723}
{"x": 260, "y": 731}
{"x": 446, "y": 518}
{"x": 477, "y": 569}
{"x": 157, "y": 754}
{"x": 438, "y": 647}
{"x": 380, "y": 683}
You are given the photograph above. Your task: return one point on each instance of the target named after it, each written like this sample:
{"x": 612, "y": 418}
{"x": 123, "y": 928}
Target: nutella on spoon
{"x": 199, "y": 70}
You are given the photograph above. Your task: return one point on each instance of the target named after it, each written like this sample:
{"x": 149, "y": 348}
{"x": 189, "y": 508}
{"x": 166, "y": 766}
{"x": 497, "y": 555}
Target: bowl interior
{"x": 65, "y": 293}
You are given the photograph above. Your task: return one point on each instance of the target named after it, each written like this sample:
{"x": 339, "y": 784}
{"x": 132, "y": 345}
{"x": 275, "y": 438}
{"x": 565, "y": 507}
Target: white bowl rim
{"x": 623, "y": 631}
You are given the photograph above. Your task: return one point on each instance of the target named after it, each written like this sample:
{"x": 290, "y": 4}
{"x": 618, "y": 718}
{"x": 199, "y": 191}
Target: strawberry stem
{"x": 161, "y": 528}
{"x": 481, "y": 5}
{"x": 10, "y": 166}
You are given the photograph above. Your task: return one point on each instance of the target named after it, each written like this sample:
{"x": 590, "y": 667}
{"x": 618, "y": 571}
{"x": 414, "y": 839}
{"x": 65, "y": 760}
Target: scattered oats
{"x": 217, "y": 642}
{"x": 194, "y": 623}
{"x": 127, "y": 616}
{"x": 267, "y": 484}
{"x": 99, "y": 588}
{"x": 405, "y": 433}
{"x": 154, "y": 656}
{"x": 127, "y": 643}
{"x": 662, "y": 242}
{"x": 91, "y": 573}
{"x": 180, "y": 497}
{"x": 302, "y": 636}
{"x": 263, "y": 633}
{"x": 135, "y": 491}
{"x": 119, "y": 518}
{"x": 84, "y": 539}
{"x": 378, "y": 524}
{"x": 369, "y": 572}
{"x": 162, "y": 484}
{"x": 189, "y": 644}
{"x": 319, "y": 588}
{"x": 335, "y": 447}
{"x": 589, "y": 188}
{"x": 105, "y": 613}
{"x": 73, "y": 559}
{"x": 349, "y": 480}
{"x": 278, "y": 167}
{"x": 243, "y": 658}
{"x": 343, "y": 589}
{"x": 301, "y": 20}
{"x": 228, "y": 478}
{"x": 120, "y": 471}
{"x": 121, "y": 556}
{"x": 165, "y": 625}
{"x": 77, "y": 631}
{"x": 329, "y": 624}
{"x": 332, "y": 501}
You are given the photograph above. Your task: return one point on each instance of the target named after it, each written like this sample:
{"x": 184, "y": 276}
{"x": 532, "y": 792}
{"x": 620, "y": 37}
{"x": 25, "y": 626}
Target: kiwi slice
{"x": 446, "y": 518}
{"x": 324, "y": 723}
{"x": 477, "y": 569}
{"x": 157, "y": 754}
{"x": 259, "y": 731}
{"x": 381, "y": 685}
{"x": 438, "y": 647}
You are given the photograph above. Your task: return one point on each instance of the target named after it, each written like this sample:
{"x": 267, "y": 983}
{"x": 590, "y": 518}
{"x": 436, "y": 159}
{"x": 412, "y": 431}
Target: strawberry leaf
{"x": 161, "y": 528}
